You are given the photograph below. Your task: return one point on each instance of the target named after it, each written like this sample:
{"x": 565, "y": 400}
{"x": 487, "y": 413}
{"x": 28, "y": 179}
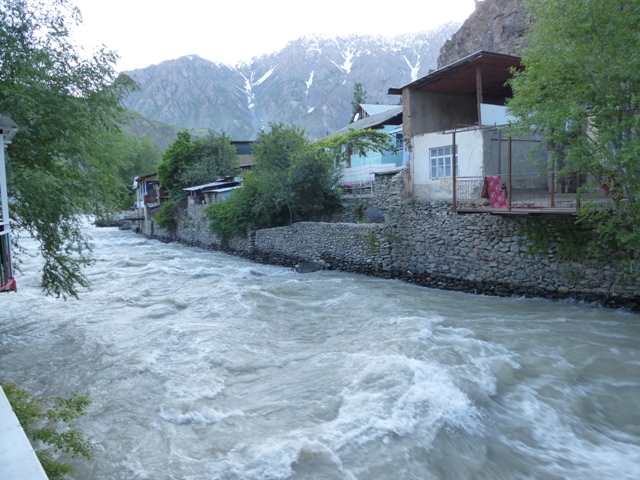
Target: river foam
{"x": 205, "y": 366}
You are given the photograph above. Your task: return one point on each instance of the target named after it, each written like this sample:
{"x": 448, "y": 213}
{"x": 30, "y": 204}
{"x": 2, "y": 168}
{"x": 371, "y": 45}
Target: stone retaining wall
{"x": 426, "y": 244}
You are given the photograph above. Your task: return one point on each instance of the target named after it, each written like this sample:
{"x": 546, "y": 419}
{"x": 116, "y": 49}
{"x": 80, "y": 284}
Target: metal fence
{"x": 546, "y": 191}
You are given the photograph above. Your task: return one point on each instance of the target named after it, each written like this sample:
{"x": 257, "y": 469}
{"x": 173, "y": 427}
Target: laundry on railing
{"x": 496, "y": 195}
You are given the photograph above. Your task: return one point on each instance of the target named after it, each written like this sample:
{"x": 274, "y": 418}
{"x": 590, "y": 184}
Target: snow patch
{"x": 248, "y": 92}
{"x": 414, "y": 68}
{"x": 264, "y": 77}
{"x": 309, "y": 82}
{"x": 348, "y": 60}
{"x": 311, "y": 109}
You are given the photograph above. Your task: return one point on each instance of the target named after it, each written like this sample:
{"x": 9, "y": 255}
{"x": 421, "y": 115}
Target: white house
{"x": 465, "y": 103}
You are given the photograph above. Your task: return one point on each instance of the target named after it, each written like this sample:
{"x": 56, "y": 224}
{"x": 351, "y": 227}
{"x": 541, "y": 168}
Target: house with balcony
{"x": 456, "y": 130}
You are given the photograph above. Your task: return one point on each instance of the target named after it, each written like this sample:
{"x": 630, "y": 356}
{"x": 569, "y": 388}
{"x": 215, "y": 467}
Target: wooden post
{"x": 454, "y": 207}
{"x": 509, "y": 169}
{"x": 578, "y": 191}
{"x": 479, "y": 93}
{"x": 552, "y": 191}
{"x": 454, "y": 165}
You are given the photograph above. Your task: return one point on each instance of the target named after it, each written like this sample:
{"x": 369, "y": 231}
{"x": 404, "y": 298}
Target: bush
{"x": 167, "y": 216}
{"x": 232, "y": 217}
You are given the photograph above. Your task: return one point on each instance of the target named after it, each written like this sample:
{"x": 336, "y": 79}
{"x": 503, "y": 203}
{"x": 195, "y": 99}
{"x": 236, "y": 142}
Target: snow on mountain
{"x": 309, "y": 83}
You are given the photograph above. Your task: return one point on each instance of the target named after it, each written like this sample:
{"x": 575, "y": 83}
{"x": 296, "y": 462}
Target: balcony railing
{"x": 547, "y": 192}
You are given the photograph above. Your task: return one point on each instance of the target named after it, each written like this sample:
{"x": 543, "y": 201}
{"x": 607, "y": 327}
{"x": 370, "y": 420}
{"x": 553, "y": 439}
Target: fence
{"x": 546, "y": 191}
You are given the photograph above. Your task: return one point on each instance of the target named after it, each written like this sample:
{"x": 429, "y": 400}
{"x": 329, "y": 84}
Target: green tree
{"x": 175, "y": 161}
{"x": 50, "y": 426}
{"x": 275, "y": 153}
{"x": 359, "y": 96}
{"x": 293, "y": 179}
{"x": 214, "y": 157}
{"x": 580, "y": 88}
{"x": 139, "y": 156}
{"x": 59, "y": 164}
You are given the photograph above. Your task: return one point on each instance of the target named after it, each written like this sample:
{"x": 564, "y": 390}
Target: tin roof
{"x": 375, "y": 109}
{"x": 389, "y": 117}
{"x": 209, "y": 185}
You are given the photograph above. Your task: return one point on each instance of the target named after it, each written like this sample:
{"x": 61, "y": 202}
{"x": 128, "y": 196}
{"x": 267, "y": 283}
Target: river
{"x": 201, "y": 365}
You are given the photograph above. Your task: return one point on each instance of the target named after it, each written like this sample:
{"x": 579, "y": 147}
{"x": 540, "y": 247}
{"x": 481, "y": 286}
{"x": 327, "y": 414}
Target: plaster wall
{"x": 470, "y": 151}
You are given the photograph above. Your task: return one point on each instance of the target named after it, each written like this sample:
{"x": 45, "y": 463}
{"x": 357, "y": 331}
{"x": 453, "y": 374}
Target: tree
{"x": 175, "y": 161}
{"x": 186, "y": 163}
{"x": 293, "y": 179}
{"x": 580, "y": 88}
{"x": 214, "y": 157}
{"x": 68, "y": 107}
{"x": 359, "y": 96}
{"x": 139, "y": 156}
{"x": 50, "y": 425}
{"x": 275, "y": 153}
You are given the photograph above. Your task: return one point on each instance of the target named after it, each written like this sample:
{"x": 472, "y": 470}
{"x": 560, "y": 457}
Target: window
{"x": 441, "y": 162}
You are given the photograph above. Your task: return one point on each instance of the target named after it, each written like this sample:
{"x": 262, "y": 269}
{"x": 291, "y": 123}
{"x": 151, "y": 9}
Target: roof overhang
{"x": 488, "y": 69}
{"x": 8, "y": 128}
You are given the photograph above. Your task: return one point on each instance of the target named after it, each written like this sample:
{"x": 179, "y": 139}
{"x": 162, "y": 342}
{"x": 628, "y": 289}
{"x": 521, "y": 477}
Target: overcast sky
{"x": 146, "y": 32}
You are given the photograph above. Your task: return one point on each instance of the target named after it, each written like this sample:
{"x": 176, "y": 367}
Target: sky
{"x": 147, "y": 32}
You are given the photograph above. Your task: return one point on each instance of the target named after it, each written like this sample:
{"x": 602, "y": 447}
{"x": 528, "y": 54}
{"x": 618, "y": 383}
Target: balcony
{"x": 528, "y": 194}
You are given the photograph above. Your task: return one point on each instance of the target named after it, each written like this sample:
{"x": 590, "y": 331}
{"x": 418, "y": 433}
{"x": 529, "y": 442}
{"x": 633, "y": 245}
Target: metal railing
{"x": 546, "y": 191}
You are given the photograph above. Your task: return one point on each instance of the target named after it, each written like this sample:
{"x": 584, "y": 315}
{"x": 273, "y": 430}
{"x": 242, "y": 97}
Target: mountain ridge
{"x": 309, "y": 83}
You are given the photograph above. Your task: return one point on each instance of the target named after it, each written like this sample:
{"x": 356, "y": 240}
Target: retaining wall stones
{"x": 426, "y": 244}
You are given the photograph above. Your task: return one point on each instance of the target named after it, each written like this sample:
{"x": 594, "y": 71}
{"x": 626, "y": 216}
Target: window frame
{"x": 440, "y": 162}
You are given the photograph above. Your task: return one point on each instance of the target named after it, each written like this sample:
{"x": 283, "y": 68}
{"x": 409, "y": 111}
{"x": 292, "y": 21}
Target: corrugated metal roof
{"x": 208, "y": 185}
{"x": 384, "y": 118}
{"x": 374, "y": 109}
{"x": 222, "y": 190}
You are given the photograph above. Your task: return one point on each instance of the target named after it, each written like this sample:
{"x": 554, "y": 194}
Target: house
{"x": 361, "y": 168}
{"x": 149, "y": 195}
{"x": 8, "y": 129}
{"x": 464, "y": 104}
{"x": 244, "y": 148}
{"x": 212, "y": 192}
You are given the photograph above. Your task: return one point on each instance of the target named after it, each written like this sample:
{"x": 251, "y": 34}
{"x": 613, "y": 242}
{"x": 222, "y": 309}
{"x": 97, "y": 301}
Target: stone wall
{"x": 427, "y": 244}
{"x": 493, "y": 254}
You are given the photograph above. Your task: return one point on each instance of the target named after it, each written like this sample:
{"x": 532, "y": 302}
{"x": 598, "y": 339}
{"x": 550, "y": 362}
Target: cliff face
{"x": 495, "y": 26}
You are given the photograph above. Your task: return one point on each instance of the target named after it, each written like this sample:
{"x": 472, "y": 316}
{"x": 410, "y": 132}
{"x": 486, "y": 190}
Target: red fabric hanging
{"x": 496, "y": 195}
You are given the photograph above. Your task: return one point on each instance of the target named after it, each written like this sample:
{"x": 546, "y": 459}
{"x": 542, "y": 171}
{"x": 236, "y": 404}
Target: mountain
{"x": 495, "y": 26}
{"x": 309, "y": 83}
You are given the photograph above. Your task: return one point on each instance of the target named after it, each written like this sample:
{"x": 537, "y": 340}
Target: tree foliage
{"x": 293, "y": 179}
{"x": 359, "y": 96}
{"x": 138, "y": 156}
{"x": 581, "y": 89}
{"x": 186, "y": 163}
{"x": 50, "y": 426}
{"x": 68, "y": 107}
{"x": 215, "y": 157}
{"x": 174, "y": 163}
